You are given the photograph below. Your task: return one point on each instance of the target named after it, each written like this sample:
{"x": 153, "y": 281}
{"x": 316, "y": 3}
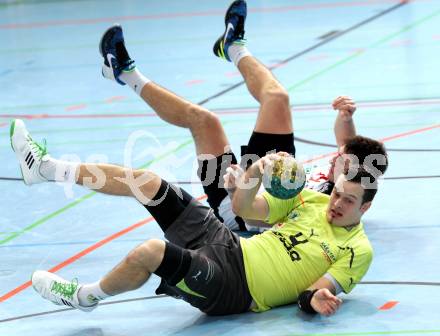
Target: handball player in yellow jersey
{"x": 316, "y": 248}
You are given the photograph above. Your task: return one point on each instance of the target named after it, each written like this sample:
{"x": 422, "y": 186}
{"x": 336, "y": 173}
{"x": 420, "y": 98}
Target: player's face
{"x": 345, "y": 207}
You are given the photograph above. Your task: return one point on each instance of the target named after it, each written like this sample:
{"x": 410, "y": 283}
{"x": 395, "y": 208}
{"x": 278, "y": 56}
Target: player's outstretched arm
{"x": 344, "y": 127}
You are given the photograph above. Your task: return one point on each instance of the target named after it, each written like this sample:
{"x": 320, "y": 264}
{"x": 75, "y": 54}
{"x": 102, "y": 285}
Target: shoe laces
{"x": 241, "y": 41}
{"x": 128, "y": 65}
{"x": 40, "y": 150}
{"x": 122, "y": 54}
{"x": 66, "y": 289}
{"x": 239, "y": 36}
{"x": 239, "y": 30}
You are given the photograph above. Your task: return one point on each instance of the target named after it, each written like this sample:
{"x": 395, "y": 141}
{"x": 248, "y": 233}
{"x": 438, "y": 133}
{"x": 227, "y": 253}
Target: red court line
{"x": 78, "y": 255}
{"x": 401, "y": 43}
{"x": 3, "y": 124}
{"x": 78, "y": 116}
{"x": 115, "y": 98}
{"x": 389, "y": 305}
{"x": 393, "y": 137}
{"x": 232, "y": 74}
{"x": 135, "y": 226}
{"x": 296, "y": 108}
{"x": 220, "y": 12}
{"x": 317, "y": 58}
{"x": 401, "y": 135}
{"x": 194, "y": 82}
{"x": 83, "y": 253}
{"x": 75, "y": 107}
{"x": 276, "y": 65}
{"x": 316, "y": 158}
{"x": 327, "y": 107}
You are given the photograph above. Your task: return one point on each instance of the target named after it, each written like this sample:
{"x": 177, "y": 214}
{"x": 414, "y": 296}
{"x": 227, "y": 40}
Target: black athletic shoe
{"x": 116, "y": 58}
{"x": 234, "y": 29}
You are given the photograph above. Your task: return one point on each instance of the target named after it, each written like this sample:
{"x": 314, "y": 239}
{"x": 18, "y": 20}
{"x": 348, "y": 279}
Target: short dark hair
{"x": 366, "y": 179}
{"x": 362, "y": 147}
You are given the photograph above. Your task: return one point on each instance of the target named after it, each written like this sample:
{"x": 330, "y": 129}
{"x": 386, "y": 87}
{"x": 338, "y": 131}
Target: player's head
{"x": 360, "y": 150}
{"x": 351, "y": 197}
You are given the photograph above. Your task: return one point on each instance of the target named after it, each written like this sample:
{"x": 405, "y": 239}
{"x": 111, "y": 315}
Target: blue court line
{"x": 356, "y": 54}
{"x": 315, "y": 46}
{"x": 176, "y": 15}
{"x": 85, "y": 197}
{"x": 85, "y": 242}
{"x": 5, "y": 72}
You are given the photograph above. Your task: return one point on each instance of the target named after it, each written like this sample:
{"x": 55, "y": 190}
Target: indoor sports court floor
{"x": 385, "y": 54}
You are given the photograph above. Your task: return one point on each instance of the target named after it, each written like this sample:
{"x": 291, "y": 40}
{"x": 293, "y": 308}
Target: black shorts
{"x": 261, "y": 144}
{"x": 211, "y": 171}
{"x": 216, "y": 280}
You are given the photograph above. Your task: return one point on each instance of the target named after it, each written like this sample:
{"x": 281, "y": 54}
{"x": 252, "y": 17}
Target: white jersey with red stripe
{"x": 317, "y": 178}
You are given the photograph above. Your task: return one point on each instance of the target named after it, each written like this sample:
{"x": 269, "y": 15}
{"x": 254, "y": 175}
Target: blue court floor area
{"x": 384, "y": 54}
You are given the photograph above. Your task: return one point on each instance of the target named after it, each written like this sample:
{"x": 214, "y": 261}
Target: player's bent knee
{"x": 201, "y": 116}
{"x": 207, "y": 118}
{"x": 196, "y": 112}
{"x": 278, "y": 96}
{"x": 276, "y": 106}
{"x": 147, "y": 255}
{"x": 211, "y": 121}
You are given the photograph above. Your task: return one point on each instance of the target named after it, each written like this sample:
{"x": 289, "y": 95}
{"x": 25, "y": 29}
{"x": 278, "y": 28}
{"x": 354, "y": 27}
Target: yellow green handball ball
{"x": 285, "y": 179}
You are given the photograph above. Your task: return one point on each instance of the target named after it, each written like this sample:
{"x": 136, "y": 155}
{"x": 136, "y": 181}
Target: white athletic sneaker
{"x": 29, "y": 153}
{"x": 61, "y": 292}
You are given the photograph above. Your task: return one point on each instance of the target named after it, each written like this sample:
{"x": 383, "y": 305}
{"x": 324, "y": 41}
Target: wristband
{"x": 304, "y": 301}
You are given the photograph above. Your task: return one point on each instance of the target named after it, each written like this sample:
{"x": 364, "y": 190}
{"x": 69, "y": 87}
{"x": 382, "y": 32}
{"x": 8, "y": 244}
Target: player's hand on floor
{"x": 324, "y": 302}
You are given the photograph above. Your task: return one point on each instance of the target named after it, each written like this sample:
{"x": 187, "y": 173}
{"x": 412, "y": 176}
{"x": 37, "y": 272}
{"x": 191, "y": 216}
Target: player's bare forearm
{"x": 246, "y": 202}
{"x": 246, "y": 192}
{"x": 344, "y": 127}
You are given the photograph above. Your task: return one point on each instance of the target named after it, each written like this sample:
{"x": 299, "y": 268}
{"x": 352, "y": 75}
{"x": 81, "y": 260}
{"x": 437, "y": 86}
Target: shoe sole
{"x": 229, "y": 8}
{"x": 222, "y": 36}
{"x": 11, "y": 134}
{"x": 104, "y": 36}
{"x": 32, "y": 277}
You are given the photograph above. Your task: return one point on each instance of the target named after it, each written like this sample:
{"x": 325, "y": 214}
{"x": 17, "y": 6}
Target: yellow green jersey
{"x": 299, "y": 249}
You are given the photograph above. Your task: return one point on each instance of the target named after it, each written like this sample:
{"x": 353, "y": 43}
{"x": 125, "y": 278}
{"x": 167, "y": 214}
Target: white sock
{"x": 237, "y": 51}
{"x": 134, "y": 79}
{"x": 89, "y": 295}
{"x": 58, "y": 171}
